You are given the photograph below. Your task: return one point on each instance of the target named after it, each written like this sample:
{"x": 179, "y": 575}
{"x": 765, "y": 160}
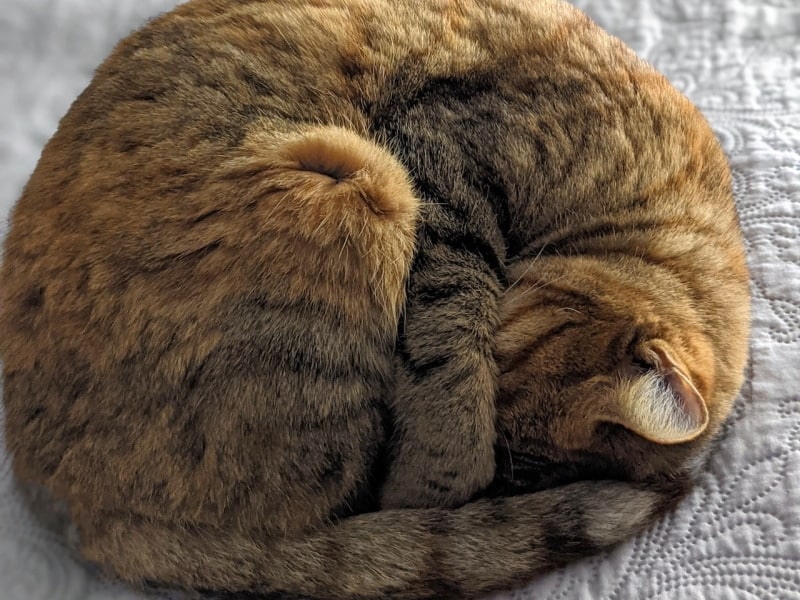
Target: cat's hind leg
{"x": 325, "y": 239}
{"x": 350, "y": 208}
{"x": 274, "y": 299}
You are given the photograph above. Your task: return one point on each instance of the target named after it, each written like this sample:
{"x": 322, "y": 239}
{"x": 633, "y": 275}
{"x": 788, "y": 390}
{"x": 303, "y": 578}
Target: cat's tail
{"x": 484, "y": 546}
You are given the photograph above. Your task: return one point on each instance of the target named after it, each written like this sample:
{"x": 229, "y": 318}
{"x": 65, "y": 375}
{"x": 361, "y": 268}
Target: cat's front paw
{"x": 418, "y": 480}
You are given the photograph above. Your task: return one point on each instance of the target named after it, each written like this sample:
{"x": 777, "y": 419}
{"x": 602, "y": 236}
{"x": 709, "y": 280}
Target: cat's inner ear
{"x": 661, "y": 404}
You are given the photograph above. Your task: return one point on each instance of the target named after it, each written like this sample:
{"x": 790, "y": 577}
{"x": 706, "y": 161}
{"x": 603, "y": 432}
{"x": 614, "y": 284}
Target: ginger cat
{"x": 289, "y": 262}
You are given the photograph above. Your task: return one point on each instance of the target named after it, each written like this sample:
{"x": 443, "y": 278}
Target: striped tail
{"x": 484, "y": 546}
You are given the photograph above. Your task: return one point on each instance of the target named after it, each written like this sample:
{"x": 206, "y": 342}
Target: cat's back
{"x": 136, "y": 172}
{"x": 177, "y": 100}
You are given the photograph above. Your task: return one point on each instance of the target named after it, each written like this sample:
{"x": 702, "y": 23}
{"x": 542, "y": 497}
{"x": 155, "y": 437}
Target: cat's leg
{"x": 306, "y": 359}
{"x": 271, "y": 325}
{"x": 344, "y": 216}
{"x": 445, "y": 379}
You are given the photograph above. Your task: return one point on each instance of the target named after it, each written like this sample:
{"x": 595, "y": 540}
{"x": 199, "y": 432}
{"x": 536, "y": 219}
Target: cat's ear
{"x": 661, "y": 404}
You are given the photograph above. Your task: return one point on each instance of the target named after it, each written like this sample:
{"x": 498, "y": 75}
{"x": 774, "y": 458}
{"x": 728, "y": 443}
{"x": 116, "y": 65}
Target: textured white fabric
{"x": 738, "y": 535}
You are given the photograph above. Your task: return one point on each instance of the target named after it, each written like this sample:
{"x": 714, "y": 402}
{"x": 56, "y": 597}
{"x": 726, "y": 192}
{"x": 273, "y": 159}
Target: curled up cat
{"x": 370, "y": 298}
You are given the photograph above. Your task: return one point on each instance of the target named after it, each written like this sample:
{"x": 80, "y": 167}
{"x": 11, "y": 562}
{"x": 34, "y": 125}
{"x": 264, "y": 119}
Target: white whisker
{"x": 527, "y": 269}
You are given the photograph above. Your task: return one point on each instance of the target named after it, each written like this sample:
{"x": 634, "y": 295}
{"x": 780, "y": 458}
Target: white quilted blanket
{"x": 738, "y": 535}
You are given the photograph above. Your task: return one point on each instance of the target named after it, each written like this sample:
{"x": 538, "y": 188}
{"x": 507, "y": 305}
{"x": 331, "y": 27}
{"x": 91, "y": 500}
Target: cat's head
{"x": 614, "y": 368}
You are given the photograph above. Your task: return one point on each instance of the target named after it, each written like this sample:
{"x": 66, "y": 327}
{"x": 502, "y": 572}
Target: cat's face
{"x": 605, "y": 373}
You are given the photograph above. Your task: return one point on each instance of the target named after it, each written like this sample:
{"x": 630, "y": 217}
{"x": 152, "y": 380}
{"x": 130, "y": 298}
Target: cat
{"x": 370, "y": 298}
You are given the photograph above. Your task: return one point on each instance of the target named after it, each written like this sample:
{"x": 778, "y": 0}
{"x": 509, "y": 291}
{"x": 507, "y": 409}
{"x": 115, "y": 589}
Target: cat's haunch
{"x": 370, "y": 298}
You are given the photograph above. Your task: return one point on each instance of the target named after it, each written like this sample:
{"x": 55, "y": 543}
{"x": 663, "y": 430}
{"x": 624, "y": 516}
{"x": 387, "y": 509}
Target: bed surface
{"x": 738, "y": 535}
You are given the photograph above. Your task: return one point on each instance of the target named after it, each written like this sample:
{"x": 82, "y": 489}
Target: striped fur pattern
{"x": 289, "y": 262}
